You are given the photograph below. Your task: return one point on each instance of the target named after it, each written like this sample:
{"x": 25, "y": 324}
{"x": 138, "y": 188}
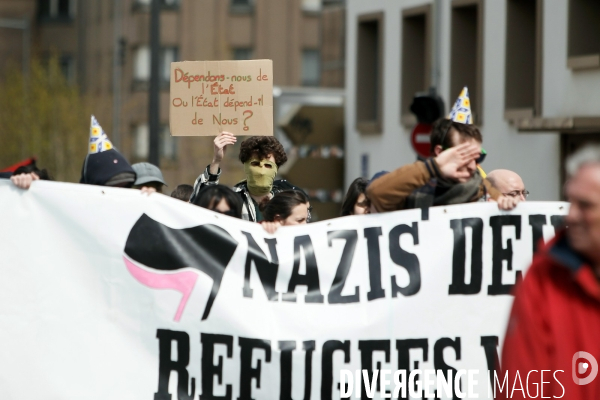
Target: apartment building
{"x": 103, "y": 46}
{"x": 532, "y": 68}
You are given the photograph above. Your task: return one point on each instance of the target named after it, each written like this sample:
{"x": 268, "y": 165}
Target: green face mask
{"x": 260, "y": 177}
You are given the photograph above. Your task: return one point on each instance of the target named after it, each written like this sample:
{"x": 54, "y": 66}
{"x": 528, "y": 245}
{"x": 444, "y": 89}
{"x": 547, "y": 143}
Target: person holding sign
{"x": 451, "y": 176}
{"x": 262, "y": 156}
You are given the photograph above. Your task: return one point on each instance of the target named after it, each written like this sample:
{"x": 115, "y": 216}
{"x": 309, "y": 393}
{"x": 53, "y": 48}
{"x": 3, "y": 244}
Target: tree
{"x": 42, "y": 115}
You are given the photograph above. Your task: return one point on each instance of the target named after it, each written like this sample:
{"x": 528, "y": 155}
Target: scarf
{"x": 443, "y": 192}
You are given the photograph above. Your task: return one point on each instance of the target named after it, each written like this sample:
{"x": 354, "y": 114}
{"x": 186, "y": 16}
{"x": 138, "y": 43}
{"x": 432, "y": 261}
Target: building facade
{"x": 532, "y": 68}
{"x": 103, "y": 46}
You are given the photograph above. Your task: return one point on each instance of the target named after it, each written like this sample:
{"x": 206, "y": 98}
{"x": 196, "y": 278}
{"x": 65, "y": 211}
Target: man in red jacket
{"x": 552, "y": 343}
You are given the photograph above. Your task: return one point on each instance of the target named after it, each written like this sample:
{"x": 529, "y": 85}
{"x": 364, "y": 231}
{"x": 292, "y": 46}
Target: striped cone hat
{"x": 99, "y": 141}
{"x": 461, "y": 111}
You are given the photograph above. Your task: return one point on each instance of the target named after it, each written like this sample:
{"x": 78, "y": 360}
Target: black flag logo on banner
{"x": 170, "y": 256}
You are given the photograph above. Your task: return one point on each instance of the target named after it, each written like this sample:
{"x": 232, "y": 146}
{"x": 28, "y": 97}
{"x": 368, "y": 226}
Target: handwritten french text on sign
{"x": 209, "y": 97}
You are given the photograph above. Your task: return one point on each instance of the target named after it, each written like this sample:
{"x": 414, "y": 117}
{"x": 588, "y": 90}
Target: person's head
{"x": 108, "y": 168}
{"x": 148, "y": 175}
{"x": 583, "y": 192}
{"x": 221, "y": 199}
{"x": 104, "y": 165}
{"x": 290, "y": 207}
{"x": 509, "y": 183}
{"x": 447, "y": 133}
{"x": 262, "y": 156}
{"x": 356, "y": 202}
{"x": 183, "y": 192}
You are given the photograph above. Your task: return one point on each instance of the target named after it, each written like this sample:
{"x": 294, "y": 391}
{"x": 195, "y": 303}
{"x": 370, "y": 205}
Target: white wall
{"x": 535, "y": 156}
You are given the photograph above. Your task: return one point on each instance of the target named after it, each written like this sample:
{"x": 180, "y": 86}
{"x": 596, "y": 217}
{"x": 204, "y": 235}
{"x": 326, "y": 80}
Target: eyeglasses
{"x": 482, "y": 156}
{"x": 517, "y": 193}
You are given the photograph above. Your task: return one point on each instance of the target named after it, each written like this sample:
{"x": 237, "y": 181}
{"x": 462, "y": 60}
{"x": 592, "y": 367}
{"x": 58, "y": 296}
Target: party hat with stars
{"x": 99, "y": 141}
{"x": 461, "y": 111}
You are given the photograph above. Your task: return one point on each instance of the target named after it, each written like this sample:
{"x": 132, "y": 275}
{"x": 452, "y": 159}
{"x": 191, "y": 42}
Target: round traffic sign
{"x": 419, "y": 139}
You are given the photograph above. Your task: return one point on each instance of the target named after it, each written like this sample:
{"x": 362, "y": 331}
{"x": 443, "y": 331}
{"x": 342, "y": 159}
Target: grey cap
{"x": 147, "y": 172}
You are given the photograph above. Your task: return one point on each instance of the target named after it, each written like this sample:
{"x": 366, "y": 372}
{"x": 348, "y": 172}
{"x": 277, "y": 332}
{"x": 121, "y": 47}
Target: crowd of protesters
{"x": 451, "y": 175}
{"x": 565, "y": 272}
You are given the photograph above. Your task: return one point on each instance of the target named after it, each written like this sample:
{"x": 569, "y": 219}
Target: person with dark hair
{"x": 221, "y": 199}
{"x": 289, "y": 207}
{"x": 356, "y": 202}
{"x": 104, "y": 165}
{"x": 444, "y": 130}
{"x": 450, "y": 176}
{"x": 183, "y": 192}
{"x": 262, "y": 156}
{"x": 24, "y": 176}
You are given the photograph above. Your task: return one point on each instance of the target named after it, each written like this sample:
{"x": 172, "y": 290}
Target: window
{"x": 141, "y": 63}
{"x": 523, "y": 58}
{"x": 584, "y": 34}
{"x": 56, "y": 9}
{"x": 466, "y": 54}
{"x": 168, "y": 144}
{"x": 167, "y": 56}
{"x": 164, "y": 4}
{"x": 67, "y": 67}
{"x": 416, "y": 59}
{"x": 241, "y": 6}
{"x": 141, "y": 143}
{"x": 242, "y": 54}
{"x": 311, "y": 67}
{"x": 311, "y": 5}
{"x": 369, "y": 70}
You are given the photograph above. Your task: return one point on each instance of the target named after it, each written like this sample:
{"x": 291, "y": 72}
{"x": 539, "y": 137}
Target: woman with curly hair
{"x": 262, "y": 156}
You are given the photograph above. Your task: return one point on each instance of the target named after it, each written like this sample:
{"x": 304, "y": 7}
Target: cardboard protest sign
{"x": 208, "y": 97}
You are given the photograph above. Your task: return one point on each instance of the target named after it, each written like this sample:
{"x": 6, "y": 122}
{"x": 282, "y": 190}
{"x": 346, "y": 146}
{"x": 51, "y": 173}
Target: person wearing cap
{"x": 451, "y": 175}
{"x": 149, "y": 178}
{"x": 104, "y": 165}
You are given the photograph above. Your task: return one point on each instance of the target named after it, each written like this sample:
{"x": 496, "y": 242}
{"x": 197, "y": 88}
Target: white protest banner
{"x": 108, "y": 293}
{"x": 209, "y": 97}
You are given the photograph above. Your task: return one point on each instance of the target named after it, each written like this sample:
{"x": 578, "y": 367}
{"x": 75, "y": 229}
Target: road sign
{"x": 419, "y": 138}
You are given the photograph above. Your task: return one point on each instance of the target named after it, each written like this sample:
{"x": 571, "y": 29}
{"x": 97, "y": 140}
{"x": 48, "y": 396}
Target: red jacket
{"x": 556, "y": 313}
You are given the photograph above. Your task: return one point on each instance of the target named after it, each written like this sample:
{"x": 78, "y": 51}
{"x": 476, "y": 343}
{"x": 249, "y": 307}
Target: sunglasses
{"x": 482, "y": 155}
